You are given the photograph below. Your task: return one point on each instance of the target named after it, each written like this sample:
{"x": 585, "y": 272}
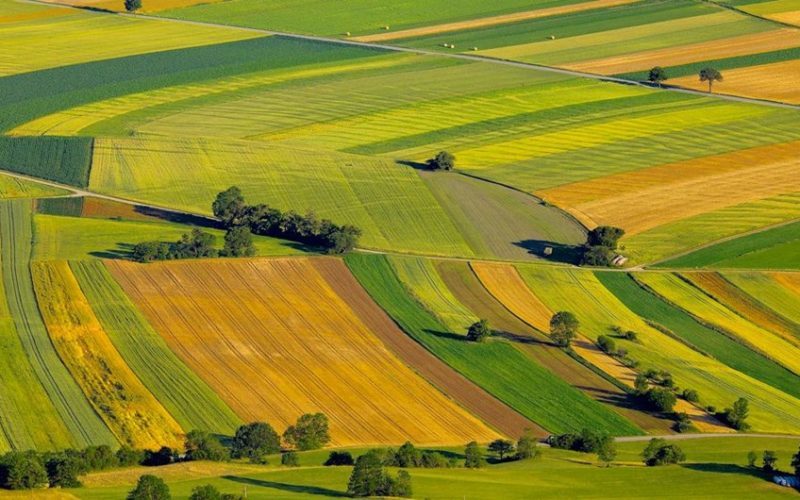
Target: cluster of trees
{"x": 479, "y": 331}
{"x": 587, "y": 441}
{"x": 608, "y": 345}
{"x": 564, "y": 328}
{"x": 736, "y": 416}
{"x": 229, "y": 206}
{"x": 660, "y": 452}
{"x": 656, "y": 389}
{"x": 708, "y": 74}
{"x": 442, "y": 161}
{"x": 370, "y": 479}
{"x": 196, "y": 245}
{"x": 256, "y": 440}
{"x": 601, "y": 245}
{"x": 503, "y": 450}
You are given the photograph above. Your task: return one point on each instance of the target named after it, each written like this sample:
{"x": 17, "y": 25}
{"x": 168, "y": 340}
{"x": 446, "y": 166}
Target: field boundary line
{"x": 682, "y": 437}
{"x": 424, "y": 52}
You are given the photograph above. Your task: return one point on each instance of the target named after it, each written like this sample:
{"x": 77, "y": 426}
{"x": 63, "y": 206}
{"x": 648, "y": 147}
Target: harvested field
{"x": 496, "y": 366}
{"x": 83, "y": 425}
{"x": 491, "y": 21}
{"x": 466, "y": 286}
{"x": 776, "y": 82}
{"x": 712, "y": 312}
{"x": 779, "y": 39}
{"x": 133, "y": 415}
{"x": 274, "y": 335}
{"x": 463, "y": 391}
{"x": 187, "y": 398}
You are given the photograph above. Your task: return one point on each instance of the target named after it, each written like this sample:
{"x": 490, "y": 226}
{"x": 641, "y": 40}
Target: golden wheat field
{"x": 274, "y": 340}
{"x": 775, "y": 81}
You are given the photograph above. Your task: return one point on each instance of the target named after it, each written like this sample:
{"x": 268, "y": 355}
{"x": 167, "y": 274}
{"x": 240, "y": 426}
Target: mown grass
{"x": 599, "y": 310}
{"x": 776, "y": 248}
{"x": 83, "y": 424}
{"x": 699, "y": 336}
{"x": 496, "y": 366}
{"x": 187, "y": 398}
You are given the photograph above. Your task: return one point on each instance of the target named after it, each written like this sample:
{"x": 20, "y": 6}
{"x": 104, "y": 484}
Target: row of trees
{"x": 708, "y": 74}
{"x": 196, "y": 245}
{"x": 230, "y": 207}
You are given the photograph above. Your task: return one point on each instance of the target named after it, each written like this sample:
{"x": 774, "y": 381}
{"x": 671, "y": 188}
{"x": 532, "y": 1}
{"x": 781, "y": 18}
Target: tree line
{"x": 230, "y": 207}
{"x": 197, "y": 244}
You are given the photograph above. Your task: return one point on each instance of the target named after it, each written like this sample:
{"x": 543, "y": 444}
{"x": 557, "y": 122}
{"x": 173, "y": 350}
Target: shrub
{"x": 442, "y": 161}
{"x": 205, "y": 492}
{"x": 150, "y": 487}
{"x": 290, "y": 459}
{"x": 407, "y": 456}
{"x": 127, "y": 456}
{"x": 683, "y": 423}
{"x": 337, "y": 458}
{"x": 164, "y": 456}
{"x": 659, "y": 452}
{"x": 369, "y": 479}
{"x": 691, "y": 395}
{"x": 527, "y": 447}
{"x": 736, "y": 417}
{"x": 587, "y": 441}
{"x": 660, "y": 399}
{"x": 752, "y": 456}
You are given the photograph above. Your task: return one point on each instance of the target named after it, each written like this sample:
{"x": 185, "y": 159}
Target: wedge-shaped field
{"x": 778, "y": 291}
{"x": 23, "y": 48}
{"x": 84, "y": 426}
{"x": 274, "y": 340}
{"x": 775, "y": 248}
{"x": 475, "y": 294}
{"x": 132, "y": 413}
{"x": 11, "y": 187}
{"x": 697, "y": 335}
{"x": 599, "y": 310}
{"x": 28, "y": 419}
{"x": 184, "y": 395}
{"x": 497, "y": 366}
{"x": 389, "y": 202}
{"x": 785, "y": 11}
{"x": 709, "y": 310}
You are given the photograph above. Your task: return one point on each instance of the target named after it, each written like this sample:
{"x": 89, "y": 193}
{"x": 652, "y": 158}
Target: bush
{"x": 769, "y": 460}
{"x": 150, "y": 488}
{"x": 63, "y": 471}
{"x": 752, "y": 456}
{"x": 683, "y": 423}
{"x": 369, "y": 479}
{"x": 127, "y": 456}
{"x": 736, "y": 417}
{"x": 205, "y": 492}
{"x": 290, "y": 459}
{"x": 407, "y": 456}
{"x": 587, "y": 441}
{"x": 630, "y": 335}
{"x": 691, "y": 395}
{"x": 194, "y": 245}
{"x": 337, "y": 458}
{"x": 659, "y": 452}
{"x": 442, "y": 161}
{"x": 527, "y": 447}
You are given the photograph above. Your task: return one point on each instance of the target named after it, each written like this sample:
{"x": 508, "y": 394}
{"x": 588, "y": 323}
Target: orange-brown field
{"x": 275, "y": 341}
{"x": 775, "y": 81}
{"x": 643, "y": 199}
{"x": 132, "y": 413}
{"x": 783, "y": 38}
{"x": 491, "y": 21}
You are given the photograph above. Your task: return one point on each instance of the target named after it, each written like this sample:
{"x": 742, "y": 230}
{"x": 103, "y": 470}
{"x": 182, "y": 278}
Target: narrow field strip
{"x": 84, "y": 426}
{"x": 599, "y": 310}
{"x": 491, "y": 21}
{"x": 187, "y": 398}
{"x": 277, "y": 342}
{"x": 453, "y": 384}
{"x": 131, "y": 412}
{"x": 12, "y": 187}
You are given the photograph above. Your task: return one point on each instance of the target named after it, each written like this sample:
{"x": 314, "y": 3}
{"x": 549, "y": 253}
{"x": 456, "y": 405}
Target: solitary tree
{"x": 737, "y": 416}
{"x": 527, "y": 447}
{"x": 479, "y": 330}
{"x": 473, "y": 456}
{"x": 563, "y": 328}
{"x": 309, "y": 433}
{"x": 752, "y": 456}
{"x": 657, "y": 75}
{"x": 606, "y": 451}
{"x": 150, "y": 487}
{"x": 255, "y": 441}
{"x": 133, "y": 5}
{"x": 769, "y": 459}
{"x": 501, "y": 447}
{"x": 710, "y": 75}
{"x": 442, "y": 161}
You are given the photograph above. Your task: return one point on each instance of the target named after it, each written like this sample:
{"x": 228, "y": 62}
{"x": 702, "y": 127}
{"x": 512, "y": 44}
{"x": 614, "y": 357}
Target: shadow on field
{"x": 294, "y": 488}
{"x": 178, "y": 217}
{"x": 415, "y": 165}
{"x": 568, "y": 254}
{"x": 123, "y": 251}
{"x": 520, "y": 339}
{"x": 448, "y": 335}
{"x": 729, "y": 469}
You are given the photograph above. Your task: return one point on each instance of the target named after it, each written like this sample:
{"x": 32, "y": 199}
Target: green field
{"x": 697, "y": 335}
{"x": 62, "y": 159}
{"x": 765, "y": 289}
{"x": 496, "y": 366}
{"x": 776, "y": 248}
{"x": 12, "y": 187}
{"x": 191, "y": 402}
{"x": 83, "y": 424}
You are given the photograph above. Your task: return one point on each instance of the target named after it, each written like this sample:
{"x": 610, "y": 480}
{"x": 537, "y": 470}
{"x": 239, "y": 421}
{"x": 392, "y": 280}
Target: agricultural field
{"x": 13, "y": 187}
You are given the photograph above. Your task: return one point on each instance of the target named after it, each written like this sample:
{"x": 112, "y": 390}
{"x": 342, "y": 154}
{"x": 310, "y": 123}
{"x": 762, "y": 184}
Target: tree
{"x": 661, "y": 399}
{"x": 255, "y": 440}
{"x": 527, "y": 447}
{"x": 150, "y": 487}
{"x": 710, "y": 75}
{"x": 442, "y": 161}
{"x": 22, "y": 471}
{"x": 657, "y": 75}
{"x": 407, "y": 456}
{"x": 479, "y": 330}
{"x": 229, "y": 206}
{"x": 605, "y": 236}
{"x": 752, "y": 456}
{"x": 238, "y": 242}
{"x": 342, "y": 239}
{"x": 691, "y": 395}
{"x": 367, "y": 478}
{"x": 402, "y": 485}
{"x": 796, "y": 463}
{"x": 563, "y": 328}
{"x": 63, "y": 471}
{"x": 309, "y": 433}
{"x": 289, "y": 459}
{"x": 659, "y": 452}
{"x": 127, "y": 456}
{"x": 339, "y": 458}
{"x": 201, "y": 445}
{"x": 736, "y": 417}
{"x": 99, "y": 457}
{"x": 133, "y": 5}
{"x": 473, "y": 456}
{"x": 205, "y": 492}
{"x": 683, "y": 423}
{"x": 501, "y": 447}
{"x": 607, "y": 344}
{"x": 606, "y": 451}
{"x": 596, "y": 256}
{"x": 164, "y": 456}
{"x": 769, "y": 459}
{"x": 432, "y": 460}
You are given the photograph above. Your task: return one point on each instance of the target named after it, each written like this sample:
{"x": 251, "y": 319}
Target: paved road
{"x": 683, "y": 437}
{"x": 462, "y": 56}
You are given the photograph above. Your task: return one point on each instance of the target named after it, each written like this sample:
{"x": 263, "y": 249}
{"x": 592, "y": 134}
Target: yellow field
{"x": 275, "y": 341}
{"x": 491, "y": 21}
{"x": 119, "y": 6}
{"x": 709, "y": 310}
{"x": 131, "y": 412}
{"x": 72, "y": 37}
{"x": 784, "y": 38}
{"x": 647, "y": 198}
{"x": 775, "y": 81}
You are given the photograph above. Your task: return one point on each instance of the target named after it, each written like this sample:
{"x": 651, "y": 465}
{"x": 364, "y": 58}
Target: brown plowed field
{"x": 275, "y": 341}
{"x": 455, "y": 385}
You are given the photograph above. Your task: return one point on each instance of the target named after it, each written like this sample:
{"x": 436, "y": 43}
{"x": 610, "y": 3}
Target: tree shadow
{"x": 178, "y": 217}
{"x": 415, "y": 165}
{"x": 447, "y": 335}
{"x": 293, "y": 488}
{"x": 729, "y": 469}
{"x": 521, "y": 339}
{"x": 568, "y": 254}
{"x": 123, "y": 251}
